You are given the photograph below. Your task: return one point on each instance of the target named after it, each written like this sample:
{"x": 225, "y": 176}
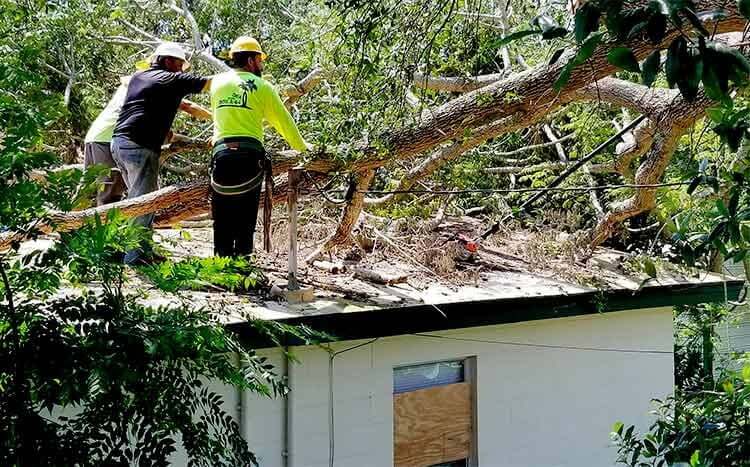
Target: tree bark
{"x": 681, "y": 115}
{"x": 349, "y": 216}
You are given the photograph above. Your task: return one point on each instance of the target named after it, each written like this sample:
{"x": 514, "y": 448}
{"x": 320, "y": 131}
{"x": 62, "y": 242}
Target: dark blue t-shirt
{"x": 152, "y": 101}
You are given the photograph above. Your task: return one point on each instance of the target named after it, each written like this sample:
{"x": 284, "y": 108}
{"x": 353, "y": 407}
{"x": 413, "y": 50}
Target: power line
{"x": 508, "y": 190}
{"x": 566, "y": 173}
{"x": 547, "y": 346}
{"x": 331, "y": 413}
{"x": 521, "y": 190}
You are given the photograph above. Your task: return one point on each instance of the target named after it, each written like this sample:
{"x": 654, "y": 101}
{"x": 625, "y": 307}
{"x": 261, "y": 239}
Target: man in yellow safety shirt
{"x": 240, "y": 101}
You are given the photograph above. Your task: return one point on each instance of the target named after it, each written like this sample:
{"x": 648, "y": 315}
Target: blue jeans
{"x": 139, "y": 167}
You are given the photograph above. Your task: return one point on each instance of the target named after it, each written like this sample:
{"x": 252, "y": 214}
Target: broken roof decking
{"x": 351, "y": 308}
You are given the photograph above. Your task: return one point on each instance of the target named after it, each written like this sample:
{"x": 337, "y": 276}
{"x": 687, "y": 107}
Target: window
{"x": 434, "y": 414}
{"x": 413, "y": 377}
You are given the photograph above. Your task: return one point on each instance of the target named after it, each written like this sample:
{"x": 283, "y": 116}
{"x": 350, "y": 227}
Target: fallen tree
{"x": 488, "y": 111}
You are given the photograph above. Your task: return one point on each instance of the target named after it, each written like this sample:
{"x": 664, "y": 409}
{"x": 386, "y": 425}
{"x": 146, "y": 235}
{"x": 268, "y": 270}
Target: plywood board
{"x": 433, "y": 425}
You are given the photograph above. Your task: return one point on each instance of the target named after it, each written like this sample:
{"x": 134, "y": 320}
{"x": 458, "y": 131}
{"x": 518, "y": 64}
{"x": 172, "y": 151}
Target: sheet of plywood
{"x": 433, "y": 425}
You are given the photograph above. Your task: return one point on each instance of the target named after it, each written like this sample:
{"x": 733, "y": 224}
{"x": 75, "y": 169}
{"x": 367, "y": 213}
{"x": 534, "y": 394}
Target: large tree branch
{"x": 305, "y": 85}
{"x": 455, "y": 84}
{"x": 635, "y": 145}
{"x": 546, "y": 166}
{"x": 349, "y": 216}
{"x": 444, "y": 155}
{"x": 638, "y": 97}
{"x": 171, "y": 204}
{"x": 679, "y": 117}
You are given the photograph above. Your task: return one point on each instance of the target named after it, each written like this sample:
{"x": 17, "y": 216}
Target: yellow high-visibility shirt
{"x": 240, "y": 101}
{"x": 104, "y": 124}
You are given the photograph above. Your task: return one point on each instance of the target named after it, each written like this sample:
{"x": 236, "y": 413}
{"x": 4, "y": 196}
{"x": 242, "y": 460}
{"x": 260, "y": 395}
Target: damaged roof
{"x": 432, "y": 277}
{"x": 377, "y": 295}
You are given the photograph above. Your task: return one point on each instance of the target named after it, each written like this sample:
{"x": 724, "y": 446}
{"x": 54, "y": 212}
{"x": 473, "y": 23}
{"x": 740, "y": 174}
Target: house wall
{"x": 536, "y": 406}
{"x": 734, "y": 332}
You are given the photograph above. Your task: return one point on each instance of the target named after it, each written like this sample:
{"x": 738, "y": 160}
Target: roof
{"x": 441, "y": 284}
{"x": 349, "y": 306}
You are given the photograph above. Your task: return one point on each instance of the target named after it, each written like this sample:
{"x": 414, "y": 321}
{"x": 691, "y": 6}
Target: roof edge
{"x": 458, "y": 315}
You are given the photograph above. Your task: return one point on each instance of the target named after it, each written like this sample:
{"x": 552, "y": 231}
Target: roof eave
{"x": 396, "y": 321}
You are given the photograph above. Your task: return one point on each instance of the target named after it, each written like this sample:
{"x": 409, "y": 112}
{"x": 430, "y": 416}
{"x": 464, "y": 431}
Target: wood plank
{"x": 432, "y": 425}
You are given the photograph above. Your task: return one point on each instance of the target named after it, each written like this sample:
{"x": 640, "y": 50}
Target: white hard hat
{"x": 170, "y": 49}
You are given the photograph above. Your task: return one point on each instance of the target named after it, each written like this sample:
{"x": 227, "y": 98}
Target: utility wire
{"x": 506, "y": 190}
{"x": 547, "y": 346}
{"x": 560, "y": 178}
{"x": 521, "y": 190}
{"x": 331, "y": 414}
{"x": 322, "y": 191}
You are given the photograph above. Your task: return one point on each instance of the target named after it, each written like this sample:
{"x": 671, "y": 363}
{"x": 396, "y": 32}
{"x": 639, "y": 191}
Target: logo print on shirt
{"x": 239, "y": 99}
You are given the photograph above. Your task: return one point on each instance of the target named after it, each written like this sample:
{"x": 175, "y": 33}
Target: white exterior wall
{"x": 734, "y": 333}
{"x": 536, "y": 407}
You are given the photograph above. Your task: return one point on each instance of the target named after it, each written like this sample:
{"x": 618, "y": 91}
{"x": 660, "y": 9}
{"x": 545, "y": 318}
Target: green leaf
{"x": 731, "y": 133}
{"x": 613, "y": 17}
{"x": 617, "y": 428}
{"x": 588, "y": 47}
{"x": 623, "y": 57}
{"x": 694, "y": 184}
{"x": 734, "y": 203}
{"x": 717, "y": 232}
{"x": 586, "y": 21}
{"x": 675, "y": 56}
{"x": 745, "y": 228}
{"x": 722, "y": 208}
{"x": 695, "y": 21}
{"x": 744, "y": 7}
{"x": 651, "y": 67}
{"x": 585, "y": 51}
{"x": 656, "y": 27}
{"x": 636, "y": 31}
{"x": 685, "y": 68}
{"x": 695, "y": 459}
{"x": 555, "y": 56}
{"x": 746, "y": 373}
{"x": 551, "y": 29}
{"x": 503, "y": 41}
{"x": 715, "y": 83}
{"x": 716, "y": 114}
{"x": 649, "y": 267}
{"x": 729, "y": 62}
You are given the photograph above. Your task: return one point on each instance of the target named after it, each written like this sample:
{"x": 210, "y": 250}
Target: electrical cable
{"x": 331, "y": 414}
{"x": 547, "y": 346}
{"x": 566, "y": 173}
{"x": 511, "y": 190}
{"x": 524, "y": 190}
{"x": 322, "y": 191}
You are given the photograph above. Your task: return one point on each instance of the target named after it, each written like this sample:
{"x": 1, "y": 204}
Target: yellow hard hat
{"x": 246, "y": 44}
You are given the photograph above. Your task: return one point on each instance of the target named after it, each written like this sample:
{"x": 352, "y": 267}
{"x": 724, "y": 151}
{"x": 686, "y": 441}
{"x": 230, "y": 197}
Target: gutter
{"x": 457, "y": 315}
{"x": 286, "y": 424}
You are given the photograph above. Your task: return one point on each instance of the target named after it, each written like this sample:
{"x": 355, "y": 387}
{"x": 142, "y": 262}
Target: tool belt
{"x": 243, "y": 145}
{"x": 249, "y": 145}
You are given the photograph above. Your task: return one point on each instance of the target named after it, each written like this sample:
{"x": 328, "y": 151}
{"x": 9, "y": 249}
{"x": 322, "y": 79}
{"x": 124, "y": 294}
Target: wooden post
{"x": 295, "y": 175}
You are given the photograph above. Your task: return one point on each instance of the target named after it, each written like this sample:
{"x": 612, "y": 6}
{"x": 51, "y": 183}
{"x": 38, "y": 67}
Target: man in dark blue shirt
{"x": 150, "y": 106}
